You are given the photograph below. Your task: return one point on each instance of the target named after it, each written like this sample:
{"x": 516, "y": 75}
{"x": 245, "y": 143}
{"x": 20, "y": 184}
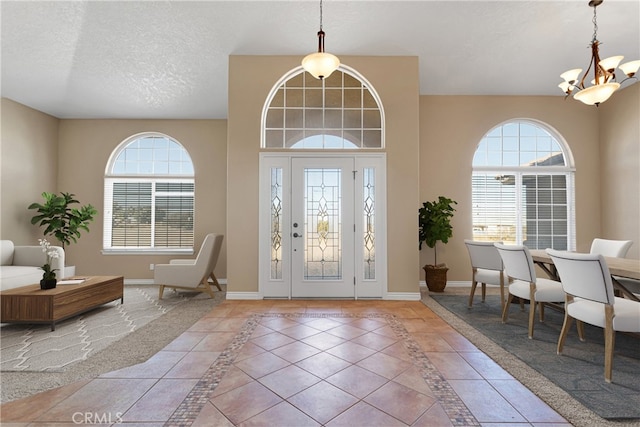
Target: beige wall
{"x": 29, "y": 166}
{"x": 70, "y": 155}
{"x": 85, "y": 147}
{"x": 620, "y": 153}
{"x": 452, "y": 126}
{"x": 250, "y": 80}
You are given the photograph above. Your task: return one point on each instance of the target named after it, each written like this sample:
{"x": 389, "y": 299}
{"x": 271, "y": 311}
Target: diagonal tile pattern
{"x": 299, "y": 363}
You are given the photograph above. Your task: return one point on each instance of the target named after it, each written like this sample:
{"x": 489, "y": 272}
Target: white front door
{"x": 322, "y": 226}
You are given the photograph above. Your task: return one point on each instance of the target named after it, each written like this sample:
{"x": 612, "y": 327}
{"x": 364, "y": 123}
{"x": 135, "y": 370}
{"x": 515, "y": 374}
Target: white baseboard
{"x": 453, "y": 284}
{"x": 459, "y": 284}
{"x": 402, "y": 296}
{"x": 144, "y": 282}
{"x": 391, "y": 296}
{"x": 244, "y": 295}
{"x": 138, "y": 282}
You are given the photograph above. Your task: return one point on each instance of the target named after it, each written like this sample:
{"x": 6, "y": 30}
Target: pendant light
{"x": 320, "y": 64}
{"x": 604, "y": 82}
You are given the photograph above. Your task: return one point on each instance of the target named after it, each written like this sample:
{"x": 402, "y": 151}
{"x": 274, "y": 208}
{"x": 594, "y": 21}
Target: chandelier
{"x": 320, "y": 64}
{"x": 604, "y": 82}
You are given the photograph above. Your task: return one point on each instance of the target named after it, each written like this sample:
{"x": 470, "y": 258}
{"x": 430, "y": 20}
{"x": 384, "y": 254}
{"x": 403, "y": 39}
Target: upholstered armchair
{"x": 192, "y": 274}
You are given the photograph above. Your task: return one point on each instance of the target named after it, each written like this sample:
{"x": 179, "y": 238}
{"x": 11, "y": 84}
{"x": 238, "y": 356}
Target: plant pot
{"x": 48, "y": 283}
{"x": 436, "y": 277}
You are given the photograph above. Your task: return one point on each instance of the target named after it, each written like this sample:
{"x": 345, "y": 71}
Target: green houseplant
{"x": 62, "y": 220}
{"x": 434, "y": 222}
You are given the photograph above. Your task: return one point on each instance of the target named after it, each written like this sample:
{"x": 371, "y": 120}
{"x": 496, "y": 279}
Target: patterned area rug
{"x": 36, "y": 348}
{"x": 579, "y": 371}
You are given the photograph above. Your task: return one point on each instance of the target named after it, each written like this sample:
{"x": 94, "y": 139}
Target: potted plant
{"x": 62, "y": 220}
{"x": 434, "y": 222}
{"x": 49, "y": 274}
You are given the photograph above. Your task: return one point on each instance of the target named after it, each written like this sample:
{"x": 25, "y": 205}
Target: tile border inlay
{"x": 190, "y": 407}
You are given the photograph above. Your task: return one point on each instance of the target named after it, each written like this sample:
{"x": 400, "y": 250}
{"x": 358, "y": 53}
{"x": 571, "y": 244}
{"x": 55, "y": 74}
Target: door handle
{"x": 297, "y": 235}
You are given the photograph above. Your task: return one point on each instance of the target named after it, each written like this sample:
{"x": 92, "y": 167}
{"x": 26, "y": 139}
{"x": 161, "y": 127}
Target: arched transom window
{"x": 523, "y": 187}
{"x": 340, "y": 112}
{"x": 149, "y": 196}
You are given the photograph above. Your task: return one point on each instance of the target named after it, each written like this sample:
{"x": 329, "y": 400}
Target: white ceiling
{"x": 169, "y": 59}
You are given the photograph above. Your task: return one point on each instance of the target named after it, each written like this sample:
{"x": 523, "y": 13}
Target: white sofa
{"x": 20, "y": 265}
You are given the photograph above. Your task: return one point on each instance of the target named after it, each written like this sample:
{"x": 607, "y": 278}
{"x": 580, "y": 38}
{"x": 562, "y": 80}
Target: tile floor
{"x": 300, "y": 363}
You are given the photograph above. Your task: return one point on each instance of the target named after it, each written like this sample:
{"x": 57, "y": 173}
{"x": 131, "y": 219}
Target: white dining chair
{"x": 486, "y": 268}
{"x": 587, "y": 283}
{"x": 616, "y": 249}
{"x": 524, "y": 284}
{"x": 611, "y": 248}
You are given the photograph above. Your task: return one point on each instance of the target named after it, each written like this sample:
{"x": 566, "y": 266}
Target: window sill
{"x": 147, "y": 251}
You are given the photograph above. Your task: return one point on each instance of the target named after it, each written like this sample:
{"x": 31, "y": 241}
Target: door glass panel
{"x": 369, "y": 210}
{"x": 323, "y": 225}
{"x": 276, "y": 223}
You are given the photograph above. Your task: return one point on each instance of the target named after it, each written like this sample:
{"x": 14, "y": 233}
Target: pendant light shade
{"x": 596, "y": 94}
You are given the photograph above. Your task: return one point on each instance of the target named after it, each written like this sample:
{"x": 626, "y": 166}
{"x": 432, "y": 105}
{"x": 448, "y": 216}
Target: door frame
{"x": 344, "y": 285}
{"x": 280, "y": 287}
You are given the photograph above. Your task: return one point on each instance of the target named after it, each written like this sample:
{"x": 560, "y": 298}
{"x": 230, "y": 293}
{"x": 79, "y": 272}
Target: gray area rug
{"x": 579, "y": 372}
{"x": 108, "y": 338}
{"x": 25, "y": 347}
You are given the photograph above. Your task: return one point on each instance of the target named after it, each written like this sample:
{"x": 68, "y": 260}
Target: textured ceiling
{"x": 169, "y": 59}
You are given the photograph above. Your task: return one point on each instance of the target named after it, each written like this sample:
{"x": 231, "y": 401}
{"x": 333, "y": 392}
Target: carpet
{"x": 579, "y": 371}
{"x": 113, "y": 336}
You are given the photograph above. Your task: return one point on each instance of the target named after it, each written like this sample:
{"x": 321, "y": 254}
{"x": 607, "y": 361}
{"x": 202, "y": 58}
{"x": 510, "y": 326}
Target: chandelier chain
{"x": 595, "y": 25}
{"x": 320, "y": 15}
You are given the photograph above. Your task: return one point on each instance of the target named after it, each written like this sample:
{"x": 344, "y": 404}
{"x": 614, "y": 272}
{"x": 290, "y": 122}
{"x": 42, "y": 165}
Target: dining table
{"x": 618, "y": 267}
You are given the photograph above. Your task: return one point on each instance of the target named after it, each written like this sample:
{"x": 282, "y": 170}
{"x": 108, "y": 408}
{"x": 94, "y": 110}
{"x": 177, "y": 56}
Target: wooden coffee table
{"x": 30, "y": 304}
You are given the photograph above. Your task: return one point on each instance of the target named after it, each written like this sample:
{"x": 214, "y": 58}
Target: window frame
{"x": 111, "y": 178}
{"x": 567, "y": 170}
{"x": 364, "y": 85}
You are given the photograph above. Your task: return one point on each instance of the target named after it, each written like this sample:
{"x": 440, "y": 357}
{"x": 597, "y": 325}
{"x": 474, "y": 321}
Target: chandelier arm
{"x": 599, "y": 73}
{"x": 586, "y": 73}
{"x": 628, "y": 78}
{"x": 598, "y": 70}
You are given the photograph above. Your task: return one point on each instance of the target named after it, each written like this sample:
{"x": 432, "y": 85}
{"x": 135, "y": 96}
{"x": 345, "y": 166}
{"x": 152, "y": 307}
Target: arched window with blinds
{"x": 523, "y": 187}
{"x": 149, "y": 196}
